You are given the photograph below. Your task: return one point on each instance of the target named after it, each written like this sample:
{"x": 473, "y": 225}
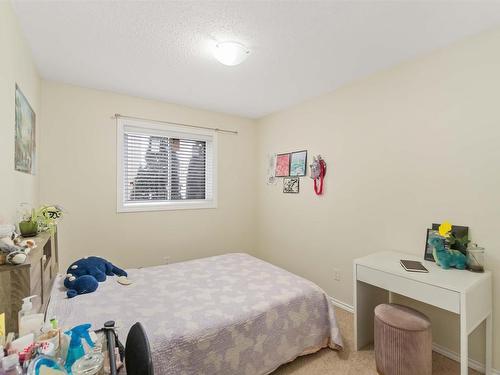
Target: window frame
{"x": 165, "y": 129}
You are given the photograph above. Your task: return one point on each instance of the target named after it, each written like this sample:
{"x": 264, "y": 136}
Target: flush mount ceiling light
{"x": 231, "y": 53}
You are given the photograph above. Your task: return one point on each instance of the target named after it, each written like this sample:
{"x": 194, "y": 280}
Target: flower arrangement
{"x": 458, "y": 243}
{"x": 441, "y": 242}
{"x": 41, "y": 219}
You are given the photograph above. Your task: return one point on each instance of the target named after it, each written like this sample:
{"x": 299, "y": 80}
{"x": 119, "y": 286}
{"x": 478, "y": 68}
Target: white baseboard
{"x": 473, "y": 364}
{"x": 342, "y": 305}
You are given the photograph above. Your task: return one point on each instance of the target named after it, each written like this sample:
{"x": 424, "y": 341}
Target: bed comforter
{"x": 228, "y": 314}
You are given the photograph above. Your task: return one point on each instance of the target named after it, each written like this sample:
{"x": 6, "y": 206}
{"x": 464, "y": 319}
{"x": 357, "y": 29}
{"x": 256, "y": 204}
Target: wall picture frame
{"x": 291, "y": 185}
{"x": 298, "y": 163}
{"x": 271, "y": 169}
{"x": 282, "y": 165}
{"x": 25, "y": 136}
{"x": 428, "y": 255}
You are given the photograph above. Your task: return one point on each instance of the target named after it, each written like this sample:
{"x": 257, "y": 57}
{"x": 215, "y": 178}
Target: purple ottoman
{"x": 403, "y": 341}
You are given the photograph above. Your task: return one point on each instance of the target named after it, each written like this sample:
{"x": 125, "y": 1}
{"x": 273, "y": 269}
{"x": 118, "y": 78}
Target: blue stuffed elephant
{"x": 95, "y": 266}
{"x": 81, "y": 285}
{"x": 84, "y": 275}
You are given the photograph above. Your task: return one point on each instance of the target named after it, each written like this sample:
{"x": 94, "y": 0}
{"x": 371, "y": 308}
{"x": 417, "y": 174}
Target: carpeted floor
{"x": 349, "y": 362}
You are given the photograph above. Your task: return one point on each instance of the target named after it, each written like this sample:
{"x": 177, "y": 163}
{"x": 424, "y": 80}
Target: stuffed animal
{"x": 81, "y": 285}
{"x": 16, "y": 257}
{"x": 16, "y": 250}
{"x": 446, "y": 258}
{"x": 84, "y": 275}
{"x": 94, "y": 266}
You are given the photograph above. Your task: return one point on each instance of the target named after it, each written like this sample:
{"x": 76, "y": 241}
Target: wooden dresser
{"x": 34, "y": 277}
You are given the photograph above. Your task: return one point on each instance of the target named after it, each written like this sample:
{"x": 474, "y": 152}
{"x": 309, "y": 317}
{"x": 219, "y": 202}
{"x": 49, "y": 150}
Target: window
{"x": 164, "y": 166}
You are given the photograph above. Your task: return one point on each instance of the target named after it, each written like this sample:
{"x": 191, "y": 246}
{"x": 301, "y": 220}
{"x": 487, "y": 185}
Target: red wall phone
{"x": 318, "y": 172}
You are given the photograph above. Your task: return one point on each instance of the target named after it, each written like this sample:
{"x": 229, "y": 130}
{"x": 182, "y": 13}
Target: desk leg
{"x": 489, "y": 344}
{"x": 366, "y": 298}
{"x": 464, "y": 340}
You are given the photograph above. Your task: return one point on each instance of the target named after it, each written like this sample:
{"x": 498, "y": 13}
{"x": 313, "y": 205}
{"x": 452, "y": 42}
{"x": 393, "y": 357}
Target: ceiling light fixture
{"x": 231, "y": 53}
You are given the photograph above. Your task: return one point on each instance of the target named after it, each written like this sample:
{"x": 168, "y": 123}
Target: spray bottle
{"x": 76, "y": 350}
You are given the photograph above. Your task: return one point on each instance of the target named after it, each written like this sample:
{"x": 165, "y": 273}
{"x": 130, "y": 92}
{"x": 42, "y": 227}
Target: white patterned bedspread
{"x": 228, "y": 314}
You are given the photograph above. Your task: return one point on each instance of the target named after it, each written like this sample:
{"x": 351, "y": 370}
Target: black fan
{"x": 137, "y": 352}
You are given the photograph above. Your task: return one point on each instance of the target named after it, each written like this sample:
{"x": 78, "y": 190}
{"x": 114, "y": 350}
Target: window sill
{"x": 166, "y": 206}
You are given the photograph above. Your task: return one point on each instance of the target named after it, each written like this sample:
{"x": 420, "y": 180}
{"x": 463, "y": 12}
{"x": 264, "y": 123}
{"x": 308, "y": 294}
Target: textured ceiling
{"x": 299, "y": 49}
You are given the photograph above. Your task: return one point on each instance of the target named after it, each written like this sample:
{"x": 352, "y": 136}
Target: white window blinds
{"x": 164, "y": 167}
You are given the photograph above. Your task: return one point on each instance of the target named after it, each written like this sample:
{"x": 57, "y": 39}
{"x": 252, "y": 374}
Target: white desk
{"x": 464, "y": 293}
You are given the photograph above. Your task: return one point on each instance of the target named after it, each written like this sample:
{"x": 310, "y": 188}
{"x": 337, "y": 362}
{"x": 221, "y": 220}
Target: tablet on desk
{"x": 413, "y": 266}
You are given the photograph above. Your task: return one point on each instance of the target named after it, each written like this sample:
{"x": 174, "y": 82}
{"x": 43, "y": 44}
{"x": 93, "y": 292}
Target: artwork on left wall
{"x": 25, "y": 141}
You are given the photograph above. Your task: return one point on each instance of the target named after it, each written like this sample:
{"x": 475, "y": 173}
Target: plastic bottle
{"x": 10, "y": 365}
{"x": 30, "y": 321}
{"x": 2, "y": 372}
{"x": 75, "y": 349}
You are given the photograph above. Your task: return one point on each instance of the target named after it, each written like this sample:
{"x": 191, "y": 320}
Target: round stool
{"x": 403, "y": 341}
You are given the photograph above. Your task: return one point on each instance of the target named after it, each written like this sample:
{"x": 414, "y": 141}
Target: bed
{"x": 227, "y": 314}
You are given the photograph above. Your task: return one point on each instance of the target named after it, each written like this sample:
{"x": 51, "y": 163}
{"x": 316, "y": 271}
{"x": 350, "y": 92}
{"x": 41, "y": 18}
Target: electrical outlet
{"x": 166, "y": 260}
{"x": 336, "y": 274}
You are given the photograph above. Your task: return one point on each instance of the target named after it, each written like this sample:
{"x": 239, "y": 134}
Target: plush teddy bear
{"x": 84, "y": 275}
{"x": 446, "y": 258}
{"x": 81, "y": 285}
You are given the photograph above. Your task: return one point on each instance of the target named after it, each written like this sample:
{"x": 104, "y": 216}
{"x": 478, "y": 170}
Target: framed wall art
{"x": 291, "y": 185}
{"x": 25, "y": 141}
{"x": 271, "y": 169}
{"x": 298, "y": 164}
{"x": 282, "y": 165}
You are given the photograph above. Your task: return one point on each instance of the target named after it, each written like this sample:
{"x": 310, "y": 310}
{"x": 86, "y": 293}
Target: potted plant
{"x": 38, "y": 220}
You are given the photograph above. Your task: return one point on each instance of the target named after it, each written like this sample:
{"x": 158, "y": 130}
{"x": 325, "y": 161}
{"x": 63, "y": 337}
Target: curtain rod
{"x": 117, "y": 115}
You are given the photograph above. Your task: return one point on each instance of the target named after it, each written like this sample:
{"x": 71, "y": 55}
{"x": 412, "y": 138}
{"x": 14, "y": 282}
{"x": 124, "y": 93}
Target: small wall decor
{"x": 318, "y": 172}
{"x": 24, "y": 156}
{"x": 291, "y": 185}
{"x": 282, "y": 165}
{"x": 271, "y": 169}
{"x": 298, "y": 163}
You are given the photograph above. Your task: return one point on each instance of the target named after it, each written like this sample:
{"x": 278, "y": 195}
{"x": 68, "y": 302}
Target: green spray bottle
{"x": 75, "y": 349}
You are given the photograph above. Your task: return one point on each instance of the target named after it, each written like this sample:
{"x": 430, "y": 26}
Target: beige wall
{"x": 405, "y": 147}
{"x": 16, "y": 66}
{"x": 78, "y": 171}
